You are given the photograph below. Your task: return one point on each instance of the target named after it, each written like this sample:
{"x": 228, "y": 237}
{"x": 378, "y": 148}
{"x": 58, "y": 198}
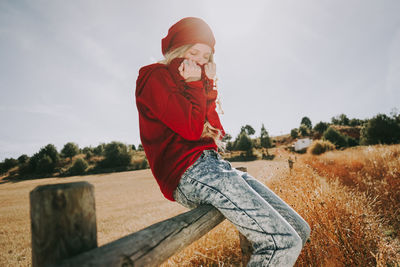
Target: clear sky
{"x": 68, "y": 68}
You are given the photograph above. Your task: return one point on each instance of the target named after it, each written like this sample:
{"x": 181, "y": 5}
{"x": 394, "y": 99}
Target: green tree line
{"x": 116, "y": 156}
{"x": 48, "y": 161}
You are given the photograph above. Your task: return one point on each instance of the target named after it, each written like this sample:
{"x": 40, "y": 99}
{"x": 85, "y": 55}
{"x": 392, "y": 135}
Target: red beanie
{"x": 188, "y": 30}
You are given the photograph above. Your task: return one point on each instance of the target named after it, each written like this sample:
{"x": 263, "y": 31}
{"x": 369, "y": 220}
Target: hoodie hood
{"x": 145, "y": 72}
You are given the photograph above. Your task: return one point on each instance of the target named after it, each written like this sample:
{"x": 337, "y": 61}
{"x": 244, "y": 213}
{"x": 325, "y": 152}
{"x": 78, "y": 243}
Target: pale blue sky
{"x": 68, "y": 68}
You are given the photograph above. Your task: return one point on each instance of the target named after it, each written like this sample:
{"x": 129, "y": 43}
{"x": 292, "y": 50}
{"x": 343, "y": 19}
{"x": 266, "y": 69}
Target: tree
{"x": 248, "y": 129}
{"x": 265, "y": 140}
{"x": 381, "y": 129}
{"x": 44, "y": 161}
{"x": 69, "y": 150}
{"x": 52, "y": 152}
{"x": 307, "y": 122}
{"x": 321, "y": 127}
{"x": 133, "y": 147}
{"x": 243, "y": 142}
{"x": 294, "y": 133}
{"x": 140, "y": 147}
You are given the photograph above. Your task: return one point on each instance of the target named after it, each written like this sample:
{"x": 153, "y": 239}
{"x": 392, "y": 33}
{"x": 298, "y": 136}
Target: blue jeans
{"x": 276, "y": 232}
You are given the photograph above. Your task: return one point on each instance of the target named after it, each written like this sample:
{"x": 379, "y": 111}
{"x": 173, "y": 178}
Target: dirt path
{"x": 125, "y": 202}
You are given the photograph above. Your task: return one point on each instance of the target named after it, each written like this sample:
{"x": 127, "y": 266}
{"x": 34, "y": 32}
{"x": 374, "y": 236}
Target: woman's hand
{"x": 211, "y": 70}
{"x": 190, "y": 71}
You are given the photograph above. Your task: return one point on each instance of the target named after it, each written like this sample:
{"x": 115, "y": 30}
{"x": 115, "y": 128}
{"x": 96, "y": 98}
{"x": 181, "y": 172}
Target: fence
{"x": 64, "y": 232}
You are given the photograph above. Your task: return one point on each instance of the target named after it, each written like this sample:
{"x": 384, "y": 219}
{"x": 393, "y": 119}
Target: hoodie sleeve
{"x": 182, "y": 111}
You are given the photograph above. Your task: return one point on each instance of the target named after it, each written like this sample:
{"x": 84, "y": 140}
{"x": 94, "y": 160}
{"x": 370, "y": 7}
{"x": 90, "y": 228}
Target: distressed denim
{"x": 277, "y": 233}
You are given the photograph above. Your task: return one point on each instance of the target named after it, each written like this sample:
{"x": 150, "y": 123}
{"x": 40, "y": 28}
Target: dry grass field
{"x": 350, "y": 199}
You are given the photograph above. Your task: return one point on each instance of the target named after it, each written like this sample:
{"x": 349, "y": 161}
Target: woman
{"x": 180, "y": 133}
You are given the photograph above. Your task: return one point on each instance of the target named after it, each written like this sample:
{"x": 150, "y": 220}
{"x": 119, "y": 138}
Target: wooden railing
{"x": 64, "y": 233}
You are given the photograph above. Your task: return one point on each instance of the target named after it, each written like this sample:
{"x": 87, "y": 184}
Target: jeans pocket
{"x": 181, "y": 198}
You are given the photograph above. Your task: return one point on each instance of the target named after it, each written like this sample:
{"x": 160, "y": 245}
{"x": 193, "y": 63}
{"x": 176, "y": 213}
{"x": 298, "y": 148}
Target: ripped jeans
{"x": 277, "y": 233}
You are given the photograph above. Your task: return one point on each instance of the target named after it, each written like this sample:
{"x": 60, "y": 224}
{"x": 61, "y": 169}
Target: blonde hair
{"x": 179, "y": 52}
{"x": 208, "y": 130}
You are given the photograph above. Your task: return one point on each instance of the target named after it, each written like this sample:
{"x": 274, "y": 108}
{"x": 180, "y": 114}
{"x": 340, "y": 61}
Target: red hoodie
{"x": 171, "y": 119}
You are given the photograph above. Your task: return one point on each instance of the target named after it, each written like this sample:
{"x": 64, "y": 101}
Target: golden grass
{"x": 349, "y": 198}
{"x": 125, "y": 202}
{"x": 373, "y": 170}
{"x": 346, "y": 228}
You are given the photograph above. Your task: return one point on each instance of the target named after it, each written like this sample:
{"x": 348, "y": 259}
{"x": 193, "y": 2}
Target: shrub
{"x": 79, "y": 167}
{"x": 116, "y": 155}
{"x": 45, "y": 165}
{"x": 69, "y": 150}
{"x": 335, "y": 137}
{"x": 140, "y": 164}
{"x": 267, "y": 156}
{"x": 144, "y": 164}
{"x": 352, "y": 141}
{"x": 320, "y": 146}
{"x": 381, "y": 129}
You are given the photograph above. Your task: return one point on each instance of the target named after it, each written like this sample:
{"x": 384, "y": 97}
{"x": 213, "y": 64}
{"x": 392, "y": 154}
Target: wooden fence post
{"x": 245, "y": 244}
{"x": 63, "y": 221}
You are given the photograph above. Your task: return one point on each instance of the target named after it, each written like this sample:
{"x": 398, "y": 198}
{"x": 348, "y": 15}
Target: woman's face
{"x": 199, "y": 53}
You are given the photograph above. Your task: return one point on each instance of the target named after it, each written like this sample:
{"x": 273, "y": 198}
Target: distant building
{"x": 302, "y": 144}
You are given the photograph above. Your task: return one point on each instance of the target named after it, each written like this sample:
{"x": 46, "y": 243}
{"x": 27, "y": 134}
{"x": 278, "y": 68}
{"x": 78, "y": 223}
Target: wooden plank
{"x": 154, "y": 244}
{"x": 63, "y": 221}
{"x": 245, "y": 244}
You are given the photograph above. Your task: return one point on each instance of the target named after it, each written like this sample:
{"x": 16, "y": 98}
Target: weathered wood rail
{"x": 64, "y": 233}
